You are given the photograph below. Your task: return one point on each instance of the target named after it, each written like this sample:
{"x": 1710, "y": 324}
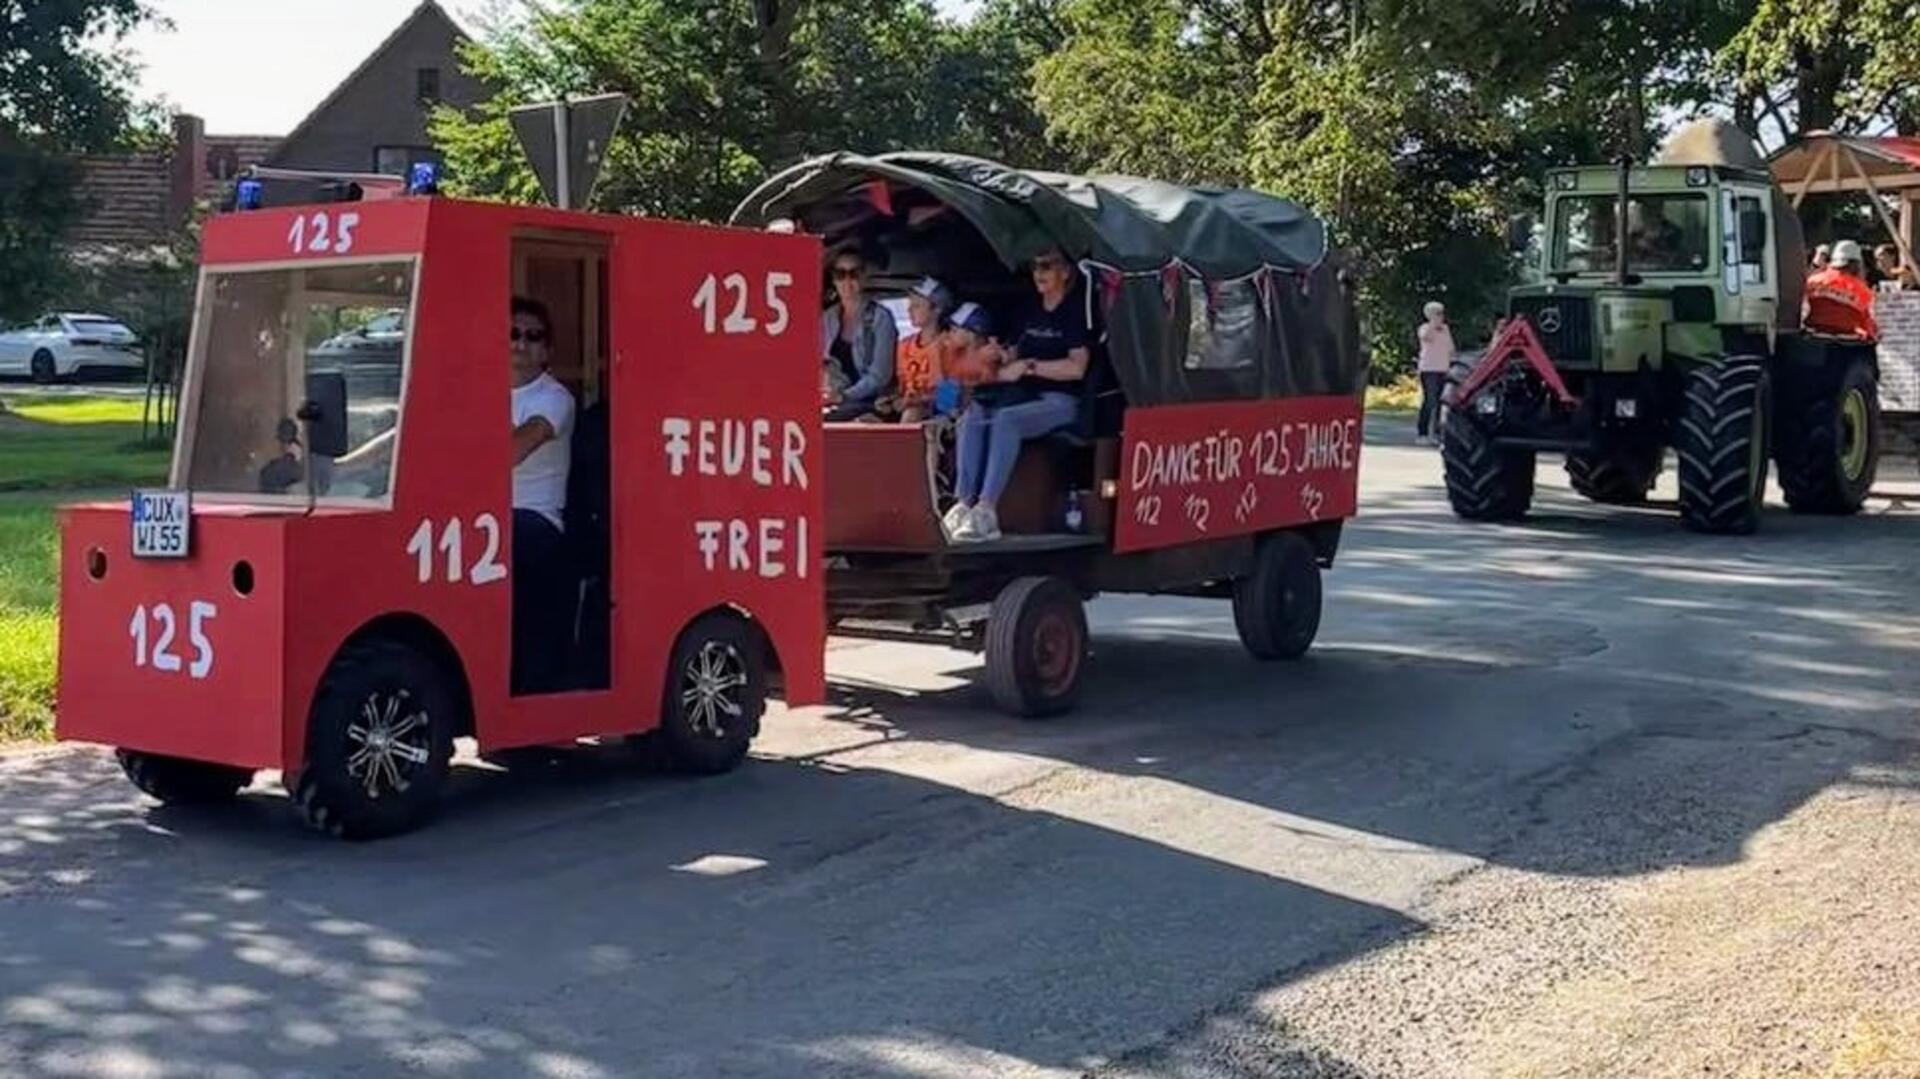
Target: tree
{"x": 1800, "y": 66}
{"x": 724, "y": 92}
{"x": 63, "y": 91}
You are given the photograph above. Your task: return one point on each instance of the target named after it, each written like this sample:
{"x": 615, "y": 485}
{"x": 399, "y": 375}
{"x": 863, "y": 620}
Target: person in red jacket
{"x": 1839, "y": 301}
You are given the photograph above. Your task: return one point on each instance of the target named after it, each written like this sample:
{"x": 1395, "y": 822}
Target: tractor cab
{"x": 337, "y": 579}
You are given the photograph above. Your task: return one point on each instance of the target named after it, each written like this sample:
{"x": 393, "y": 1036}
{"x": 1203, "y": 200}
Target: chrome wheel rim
{"x": 710, "y": 688}
{"x": 390, "y": 742}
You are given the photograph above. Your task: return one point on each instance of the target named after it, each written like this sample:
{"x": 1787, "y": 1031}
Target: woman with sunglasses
{"x": 857, "y": 342}
{"x": 1036, "y": 390}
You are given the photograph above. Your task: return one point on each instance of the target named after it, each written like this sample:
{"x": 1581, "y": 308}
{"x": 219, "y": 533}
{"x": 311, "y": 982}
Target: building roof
{"x": 1826, "y": 162}
{"x": 427, "y": 9}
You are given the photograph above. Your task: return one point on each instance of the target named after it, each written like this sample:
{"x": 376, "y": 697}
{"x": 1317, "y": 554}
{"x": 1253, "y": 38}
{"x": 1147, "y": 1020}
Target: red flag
{"x": 881, "y": 198}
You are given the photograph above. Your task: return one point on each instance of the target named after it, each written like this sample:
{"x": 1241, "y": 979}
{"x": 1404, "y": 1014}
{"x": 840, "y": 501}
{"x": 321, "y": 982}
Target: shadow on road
{"x": 584, "y": 919}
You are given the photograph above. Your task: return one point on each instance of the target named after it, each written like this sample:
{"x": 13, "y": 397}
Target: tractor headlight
{"x": 1626, "y": 408}
{"x": 1699, "y": 176}
{"x": 1486, "y": 404}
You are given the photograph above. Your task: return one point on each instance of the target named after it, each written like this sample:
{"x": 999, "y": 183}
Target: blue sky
{"x": 255, "y": 67}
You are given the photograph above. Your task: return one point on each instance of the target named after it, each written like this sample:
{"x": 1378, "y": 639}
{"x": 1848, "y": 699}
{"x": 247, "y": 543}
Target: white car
{"x": 62, "y": 345}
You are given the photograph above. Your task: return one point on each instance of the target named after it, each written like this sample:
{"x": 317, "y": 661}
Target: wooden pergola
{"x": 1824, "y": 163}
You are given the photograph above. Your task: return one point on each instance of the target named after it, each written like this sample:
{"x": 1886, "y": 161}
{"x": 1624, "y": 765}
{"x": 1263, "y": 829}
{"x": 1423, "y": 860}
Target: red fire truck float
{"x": 323, "y": 588}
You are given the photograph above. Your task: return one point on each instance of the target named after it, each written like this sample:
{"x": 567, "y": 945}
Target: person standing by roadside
{"x": 1436, "y": 357}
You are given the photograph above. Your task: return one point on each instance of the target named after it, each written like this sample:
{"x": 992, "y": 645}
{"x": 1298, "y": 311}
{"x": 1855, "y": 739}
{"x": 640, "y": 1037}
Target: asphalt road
{"x": 1520, "y": 772}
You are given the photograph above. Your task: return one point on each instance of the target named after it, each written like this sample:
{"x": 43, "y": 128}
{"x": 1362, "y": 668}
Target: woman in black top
{"x": 1035, "y": 391}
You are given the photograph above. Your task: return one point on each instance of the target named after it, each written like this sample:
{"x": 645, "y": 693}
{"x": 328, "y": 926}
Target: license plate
{"x": 162, "y": 524}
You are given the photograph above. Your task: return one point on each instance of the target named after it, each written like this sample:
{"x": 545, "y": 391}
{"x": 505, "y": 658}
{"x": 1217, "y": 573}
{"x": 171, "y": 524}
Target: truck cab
{"x": 326, "y": 586}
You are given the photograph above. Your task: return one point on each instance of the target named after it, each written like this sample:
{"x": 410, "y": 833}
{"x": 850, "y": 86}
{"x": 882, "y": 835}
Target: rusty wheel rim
{"x": 1056, "y": 652}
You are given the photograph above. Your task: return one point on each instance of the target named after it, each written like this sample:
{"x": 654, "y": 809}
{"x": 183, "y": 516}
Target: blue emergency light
{"x": 423, "y": 179}
{"x": 247, "y": 194}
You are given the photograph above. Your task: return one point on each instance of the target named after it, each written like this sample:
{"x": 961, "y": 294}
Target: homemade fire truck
{"x": 324, "y": 586}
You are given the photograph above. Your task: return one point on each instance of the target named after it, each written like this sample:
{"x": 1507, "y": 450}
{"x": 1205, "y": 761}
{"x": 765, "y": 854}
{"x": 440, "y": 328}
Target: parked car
{"x": 62, "y": 345}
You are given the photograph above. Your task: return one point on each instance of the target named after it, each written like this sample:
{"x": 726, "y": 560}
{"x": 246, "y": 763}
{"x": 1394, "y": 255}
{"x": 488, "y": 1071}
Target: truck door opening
{"x": 565, "y": 275}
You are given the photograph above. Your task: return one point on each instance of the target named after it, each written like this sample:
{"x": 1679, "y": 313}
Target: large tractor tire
{"x": 1276, "y": 607}
{"x": 1036, "y": 647}
{"x": 1622, "y": 478}
{"x": 1721, "y": 442}
{"x": 379, "y": 741}
{"x": 1484, "y": 483}
{"x": 1829, "y": 444}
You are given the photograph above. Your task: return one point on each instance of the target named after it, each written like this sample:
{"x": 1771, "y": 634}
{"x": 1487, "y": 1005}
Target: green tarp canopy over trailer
{"x": 1204, "y": 293}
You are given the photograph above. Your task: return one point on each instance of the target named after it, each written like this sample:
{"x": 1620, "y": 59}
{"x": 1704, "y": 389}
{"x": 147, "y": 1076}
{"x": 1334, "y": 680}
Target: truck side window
{"x": 1753, "y": 264}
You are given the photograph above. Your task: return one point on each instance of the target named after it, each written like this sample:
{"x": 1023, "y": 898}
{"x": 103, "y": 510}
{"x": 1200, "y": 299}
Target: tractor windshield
{"x": 1665, "y": 233}
{"x": 270, "y": 340}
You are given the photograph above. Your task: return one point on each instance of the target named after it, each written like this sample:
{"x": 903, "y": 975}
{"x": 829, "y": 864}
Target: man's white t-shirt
{"x": 540, "y": 481}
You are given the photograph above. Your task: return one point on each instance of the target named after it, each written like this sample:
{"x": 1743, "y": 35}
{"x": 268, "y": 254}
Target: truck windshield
{"x": 266, "y": 337}
{"x": 1665, "y": 233}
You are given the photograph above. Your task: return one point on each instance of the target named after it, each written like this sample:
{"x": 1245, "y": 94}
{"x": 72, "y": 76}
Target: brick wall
{"x": 127, "y": 198}
{"x": 1898, "y": 314}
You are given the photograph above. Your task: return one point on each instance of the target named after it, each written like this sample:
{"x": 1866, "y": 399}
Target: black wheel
{"x": 1484, "y": 483}
{"x": 42, "y": 367}
{"x": 1829, "y": 445}
{"x": 379, "y": 739}
{"x": 715, "y": 695}
{"x": 1721, "y": 442}
{"x": 1036, "y": 647}
{"x": 1276, "y": 607}
{"x": 1622, "y": 478}
{"x": 177, "y": 781}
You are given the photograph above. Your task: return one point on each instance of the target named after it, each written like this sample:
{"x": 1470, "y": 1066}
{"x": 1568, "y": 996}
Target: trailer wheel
{"x": 177, "y": 781}
{"x": 1830, "y": 445}
{"x": 379, "y": 739}
{"x": 715, "y": 695}
{"x": 1484, "y": 483}
{"x": 1721, "y": 441}
{"x": 1276, "y": 607}
{"x": 1036, "y": 647}
{"x": 1622, "y": 478}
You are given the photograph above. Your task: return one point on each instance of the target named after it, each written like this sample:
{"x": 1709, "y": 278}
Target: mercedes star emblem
{"x": 1549, "y": 320}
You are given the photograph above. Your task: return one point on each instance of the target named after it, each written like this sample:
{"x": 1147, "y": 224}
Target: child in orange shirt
{"x": 918, "y": 362}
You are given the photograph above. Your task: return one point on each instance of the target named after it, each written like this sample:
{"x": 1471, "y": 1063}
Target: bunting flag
{"x": 1170, "y": 275}
{"x": 880, "y": 197}
{"x": 1110, "y": 282}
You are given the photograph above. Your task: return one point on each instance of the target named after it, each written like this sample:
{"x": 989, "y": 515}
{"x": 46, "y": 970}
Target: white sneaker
{"x": 983, "y": 526}
{"x": 956, "y": 519}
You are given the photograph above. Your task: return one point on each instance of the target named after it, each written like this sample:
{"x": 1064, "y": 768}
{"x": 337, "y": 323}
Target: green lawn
{"x": 67, "y": 443}
{"x": 51, "y": 450}
{"x": 29, "y": 582}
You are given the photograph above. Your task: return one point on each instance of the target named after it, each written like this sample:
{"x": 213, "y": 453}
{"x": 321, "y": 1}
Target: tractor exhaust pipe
{"x": 1620, "y": 224}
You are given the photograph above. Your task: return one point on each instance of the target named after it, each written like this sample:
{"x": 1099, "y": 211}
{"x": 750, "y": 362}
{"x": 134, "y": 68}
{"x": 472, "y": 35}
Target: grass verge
{"x": 29, "y": 585}
{"x": 65, "y": 443}
{"x": 51, "y": 449}
{"x": 1400, "y": 395}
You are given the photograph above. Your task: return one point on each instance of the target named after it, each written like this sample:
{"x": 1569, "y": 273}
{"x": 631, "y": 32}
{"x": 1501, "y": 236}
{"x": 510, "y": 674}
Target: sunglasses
{"x": 846, "y": 273}
{"x": 531, "y": 337}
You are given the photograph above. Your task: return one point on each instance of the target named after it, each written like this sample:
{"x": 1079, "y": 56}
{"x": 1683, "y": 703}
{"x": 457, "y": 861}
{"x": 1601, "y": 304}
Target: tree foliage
{"x": 724, "y": 92}
{"x": 63, "y": 91}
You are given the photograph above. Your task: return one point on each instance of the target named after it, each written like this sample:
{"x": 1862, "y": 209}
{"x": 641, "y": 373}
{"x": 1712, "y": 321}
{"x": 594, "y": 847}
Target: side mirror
{"x": 1519, "y": 233}
{"x": 1753, "y": 236}
{"x": 325, "y": 414}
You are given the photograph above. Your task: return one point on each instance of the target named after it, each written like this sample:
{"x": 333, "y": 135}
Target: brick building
{"x": 374, "y": 121}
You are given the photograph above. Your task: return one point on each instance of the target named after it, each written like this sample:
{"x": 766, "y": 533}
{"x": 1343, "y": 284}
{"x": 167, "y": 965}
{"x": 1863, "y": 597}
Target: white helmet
{"x": 1844, "y": 252}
